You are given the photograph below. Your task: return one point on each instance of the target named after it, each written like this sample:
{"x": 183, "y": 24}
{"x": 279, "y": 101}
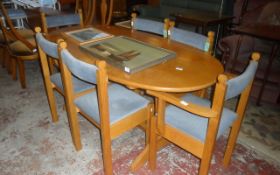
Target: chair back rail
{"x": 54, "y": 21}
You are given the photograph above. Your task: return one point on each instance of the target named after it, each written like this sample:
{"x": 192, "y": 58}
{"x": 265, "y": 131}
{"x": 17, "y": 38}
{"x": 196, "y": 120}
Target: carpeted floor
{"x": 31, "y": 144}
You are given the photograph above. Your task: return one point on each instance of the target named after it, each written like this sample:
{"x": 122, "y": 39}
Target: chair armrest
{"x": 190, "y": 107}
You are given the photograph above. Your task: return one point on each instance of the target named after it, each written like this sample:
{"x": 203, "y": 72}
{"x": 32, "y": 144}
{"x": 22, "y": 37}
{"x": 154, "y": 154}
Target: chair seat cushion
{"x": 19, "y": 48}
{"x": 26, "y": 33}
{"x": 78, "y": 84}
{"x": 122, "y": 102}
{"x": 194, "y": 125}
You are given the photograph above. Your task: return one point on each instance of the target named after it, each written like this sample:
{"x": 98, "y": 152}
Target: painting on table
{"x": 87, "y": 35}
{"x": 128, "y": 54}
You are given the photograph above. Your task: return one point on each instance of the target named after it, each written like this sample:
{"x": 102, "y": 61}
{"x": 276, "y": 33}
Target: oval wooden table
{"x": 191, "y": 69}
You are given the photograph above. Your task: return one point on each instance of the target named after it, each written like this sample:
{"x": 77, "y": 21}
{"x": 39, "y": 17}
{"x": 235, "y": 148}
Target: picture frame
{"x": 125, "y": 24}
{"x": 87, "y": 35}
{"x": 128, "y": 54}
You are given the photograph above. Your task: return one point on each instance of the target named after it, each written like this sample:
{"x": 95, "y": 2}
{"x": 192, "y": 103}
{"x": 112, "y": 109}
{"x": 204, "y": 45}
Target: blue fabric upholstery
{"x": 236, "y": 85}
{"x": 62, "y": 20}
{"x": 189, "y": 38}
{"x": 194, "y": 125}
{"x": 78, "y": 85}
{"x": 48, "y": 47}
{"x": 149, "y": 26}
{"x": 15, "y": 13}
{"x": 122, "y": 102}
{"x": 82, "y": 70}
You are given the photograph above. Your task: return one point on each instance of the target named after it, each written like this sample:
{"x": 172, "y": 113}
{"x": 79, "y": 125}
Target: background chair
{"x": 193, "y": 39}
{"x": 16, "y": 15}
{"x": 22, "y": 49}
{"x": 53, "y": 82}
{"x": 112, "y": 108}
{"x": 194, "y": 123}
{"x": 58, "y": 21}
{"x": 148, "y": 25}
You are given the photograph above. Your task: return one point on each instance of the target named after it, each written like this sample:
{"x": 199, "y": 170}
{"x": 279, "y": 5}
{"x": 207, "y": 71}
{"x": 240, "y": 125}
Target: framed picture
{"x": 87, "y": 35}
{"x": 128, "y": 54}
{"x": 125, "y": 24}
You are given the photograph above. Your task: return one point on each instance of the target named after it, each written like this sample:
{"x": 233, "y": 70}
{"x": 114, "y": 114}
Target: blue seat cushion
{"x": 194, "y": 125}
{"x": 78, "y": 84}
{"x": 122, "y": 103}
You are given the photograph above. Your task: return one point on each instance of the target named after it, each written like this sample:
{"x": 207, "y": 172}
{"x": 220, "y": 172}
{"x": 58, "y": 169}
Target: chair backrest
{"x": 193, "y": 39}
{"x": 47, "y": 51}
{"x": 14, "y": 33}
{"x": 80, "y": 69}
{"x": 237, "y": 85}
{"x": 64, "y": 20}
{"x": 45, "y": 47}
{"x": 148, "y": 25}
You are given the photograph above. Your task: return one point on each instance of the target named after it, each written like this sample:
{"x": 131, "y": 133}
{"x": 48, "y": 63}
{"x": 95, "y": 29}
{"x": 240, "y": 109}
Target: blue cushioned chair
{"x": 193, "y": 39}
{"x": 48, "y": 50}
{"x": 148, "y": 25}
{"x": 58, "y": 21}
{"x": 194, "y": 123}
{"x": 112, "y": 108}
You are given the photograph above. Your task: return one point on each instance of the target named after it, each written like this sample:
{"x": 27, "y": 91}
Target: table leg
{"x": 143, "y": 157}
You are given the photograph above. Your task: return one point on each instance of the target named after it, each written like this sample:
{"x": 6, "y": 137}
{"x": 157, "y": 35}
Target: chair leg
{"x": 2, "y": 54}
{"x": 14, "y": 68}
{"x": 6, "y": 60}
{"x": 21, "y": 73}
{"x": 107, "y": 153}
{"x": 52, "y": 103}
{"x": 74, "y": 127}
{"x": 153, "y": 144}
{"x": 231, "y": 142}
{"x": 11, "y": 63}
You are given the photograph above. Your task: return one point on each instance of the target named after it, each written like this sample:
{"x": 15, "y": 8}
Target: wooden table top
{"x": 197, "y": 69}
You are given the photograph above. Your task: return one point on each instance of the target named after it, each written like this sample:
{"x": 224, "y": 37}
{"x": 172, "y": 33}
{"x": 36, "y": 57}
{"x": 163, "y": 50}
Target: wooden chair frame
{"x": 204, "y": 151}
{"x": 17, "y": 60}
{"x": 45, "y": 25}
{"x": 108, "y": 132}
{"x": 49, "y": 85}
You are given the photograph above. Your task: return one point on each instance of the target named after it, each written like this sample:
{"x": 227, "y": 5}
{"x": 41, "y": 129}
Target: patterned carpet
{"x": 31, "y": 144}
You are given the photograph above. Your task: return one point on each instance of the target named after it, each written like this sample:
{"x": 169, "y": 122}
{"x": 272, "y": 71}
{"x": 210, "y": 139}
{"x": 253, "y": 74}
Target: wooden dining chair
{"x": 193, "y": 39}
{"x": 151, "y": 26}
{"x": 61, "y": 20}
{"x": 148, "y": 25}
{"x": 112, "y": 108}
{"x": 26, "y": 33}
{"x": 21, "y": 50}
{"x": 194, "y": 123}
{"x": 53, "y": 81}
